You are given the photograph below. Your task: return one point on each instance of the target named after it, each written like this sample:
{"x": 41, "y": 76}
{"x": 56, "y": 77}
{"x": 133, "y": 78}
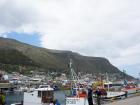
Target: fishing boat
{"x": 44, "y": 95}
{"x": 78, "y": 95}
{"x": 107, "y": 93}
{"x": 107, "y": 90}
{"x": 129, "y": 87}
{"x": 43, "y": 87}
{"x": 111, "y": 93}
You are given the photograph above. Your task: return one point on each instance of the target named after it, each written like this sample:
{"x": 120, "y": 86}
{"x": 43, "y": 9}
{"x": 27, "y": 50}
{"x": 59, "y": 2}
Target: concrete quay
{"x": 127, "y": 101}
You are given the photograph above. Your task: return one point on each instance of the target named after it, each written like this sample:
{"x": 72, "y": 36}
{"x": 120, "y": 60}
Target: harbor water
{"x": 15, "y": 97}
{"x": 60, "y": 95}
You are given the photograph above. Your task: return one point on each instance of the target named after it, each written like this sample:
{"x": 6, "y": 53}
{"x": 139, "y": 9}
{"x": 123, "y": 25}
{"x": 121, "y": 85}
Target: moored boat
{"x": 108, "y": 89}
{"x": 130, "y": 89}
{"x": 44, "y": 95}
{"x": 78, "y": 94}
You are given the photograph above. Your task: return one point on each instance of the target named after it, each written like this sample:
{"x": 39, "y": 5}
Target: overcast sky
{"x": 104, "y": 28}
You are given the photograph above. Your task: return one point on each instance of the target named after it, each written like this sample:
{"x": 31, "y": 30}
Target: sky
{"x": 102, "y": 28}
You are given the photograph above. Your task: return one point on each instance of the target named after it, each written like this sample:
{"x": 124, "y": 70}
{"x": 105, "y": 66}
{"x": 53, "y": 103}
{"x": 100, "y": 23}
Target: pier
{"x": 127, "y": 101}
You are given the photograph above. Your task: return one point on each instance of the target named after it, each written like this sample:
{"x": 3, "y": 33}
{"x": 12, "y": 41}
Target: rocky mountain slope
{"x": 13, "y": 52}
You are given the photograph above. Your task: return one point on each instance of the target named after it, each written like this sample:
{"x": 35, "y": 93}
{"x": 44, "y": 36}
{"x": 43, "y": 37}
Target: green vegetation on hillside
{"x": 14, "y": 53}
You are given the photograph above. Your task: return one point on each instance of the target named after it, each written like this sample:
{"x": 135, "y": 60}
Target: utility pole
{"x": 124, "y": 76}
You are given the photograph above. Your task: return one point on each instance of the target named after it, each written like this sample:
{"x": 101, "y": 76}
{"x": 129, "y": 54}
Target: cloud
{"x": 107, "y": 28}
{"x": 3, "y": 35}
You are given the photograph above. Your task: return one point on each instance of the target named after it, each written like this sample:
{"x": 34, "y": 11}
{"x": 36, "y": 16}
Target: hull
{"x": 32, "y": 99}
{"x": 112, "y": 95}
{"x": 76, "y": 101}
{"x": 115, "y": 94}
{"x": 131, "y": 90}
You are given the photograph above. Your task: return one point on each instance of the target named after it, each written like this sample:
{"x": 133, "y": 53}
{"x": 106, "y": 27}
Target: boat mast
{"x": 107, "y": 79}
{"x": 73, "y": 76}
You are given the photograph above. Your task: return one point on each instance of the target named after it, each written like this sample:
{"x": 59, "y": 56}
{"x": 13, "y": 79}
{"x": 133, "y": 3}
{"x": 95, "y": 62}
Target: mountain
{"x": 14, "y": 54}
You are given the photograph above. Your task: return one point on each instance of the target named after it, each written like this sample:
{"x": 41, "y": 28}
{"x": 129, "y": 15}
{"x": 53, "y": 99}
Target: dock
{"x": 127, "y": 101}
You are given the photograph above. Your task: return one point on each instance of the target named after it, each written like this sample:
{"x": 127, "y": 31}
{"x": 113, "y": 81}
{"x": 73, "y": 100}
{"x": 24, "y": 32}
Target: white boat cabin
{"x": 42, "y": 96}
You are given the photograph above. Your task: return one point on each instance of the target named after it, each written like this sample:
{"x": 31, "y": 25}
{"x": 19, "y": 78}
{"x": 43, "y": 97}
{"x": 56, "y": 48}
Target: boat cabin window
{"x": 47, "y": 96}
